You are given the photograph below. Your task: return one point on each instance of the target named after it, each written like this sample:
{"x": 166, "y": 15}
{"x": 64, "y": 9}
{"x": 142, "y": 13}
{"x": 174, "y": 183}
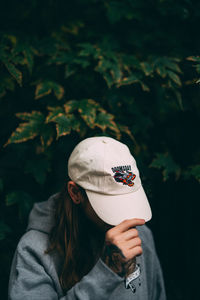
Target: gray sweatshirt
{"x": 34, "y": 275}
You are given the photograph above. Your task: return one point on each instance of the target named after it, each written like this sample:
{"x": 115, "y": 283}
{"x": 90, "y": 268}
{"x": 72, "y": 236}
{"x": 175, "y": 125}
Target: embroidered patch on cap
{"x": 123, "y": 174}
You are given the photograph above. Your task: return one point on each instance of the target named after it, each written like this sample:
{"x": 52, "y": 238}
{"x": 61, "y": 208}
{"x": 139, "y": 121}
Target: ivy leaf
{"x": 193, "y": 58}
{"x": 46, "y": 136}
{"x": 105, "y": 120}
{"x": 165, "y": 162}
{"x": 4, "y": 229}
{"x": 46, "y": 87}
{"x": 173, "y": 66}
{"x": 71, "y": 105}
{"x": 144, "y": 86}
{"x": 124, "y": 128}
{"x": 87, "y": 50}
{"x": 7, "y": 83}
{"x": 54, "y": 111}
{"x": 128, "y": 80}
{"x": 29, "y": 57}
{"x": 174, "y": 77}
{"x": 87, "y": 109}
{"x": 28, "y": 130}
{"x": 63, "y": 124}
{"x": 179, "y": 98}
{"x": 17, "y": 74}
{"x": 160, "y": 69}
{"x": 147, "y": 68}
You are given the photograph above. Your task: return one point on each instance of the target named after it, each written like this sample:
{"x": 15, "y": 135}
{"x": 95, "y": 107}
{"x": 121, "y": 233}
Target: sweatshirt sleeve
{"x": 30, "y": 278}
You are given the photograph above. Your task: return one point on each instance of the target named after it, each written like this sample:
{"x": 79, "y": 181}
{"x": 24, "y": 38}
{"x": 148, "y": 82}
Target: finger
{"x": 133, "y": 243}
{"x": 136, "y": 251}
{"x": 130, "y": 234}
{"x": 128, "y": 223}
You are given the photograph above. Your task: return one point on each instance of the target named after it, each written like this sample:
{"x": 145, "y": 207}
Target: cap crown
{"x": 104, "y": 165}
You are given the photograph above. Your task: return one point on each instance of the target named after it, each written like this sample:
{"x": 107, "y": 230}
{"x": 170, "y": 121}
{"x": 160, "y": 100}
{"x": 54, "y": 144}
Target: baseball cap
{"x": 107, "y": 171}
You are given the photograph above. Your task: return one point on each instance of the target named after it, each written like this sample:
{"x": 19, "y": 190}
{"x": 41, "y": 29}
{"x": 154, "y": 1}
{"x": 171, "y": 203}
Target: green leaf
{"x": 46, "y": 87}
{"x": 46, "y": 136}
{"x": 144, "y": 86}
{"x": 147, "y": 68}
{"x": 70, "y": 70}
{"x": 28, "y": 130}
{"x": 179, "y": 99}
{"x": 160, "y": 69}
{"x": 129, "y": 80}
{"x": 87, "y": 49}
{"x": 54, "y": 111}
{"x": 29, "y": 57}
{"x": 71, "y": 105}
{"x": 17, "y": 74}
{"x": 4, "y": 229}
{"x": 174, "y": 77}
{"x": 87, "y": 109}
{"x": 105, "y": 120}
{"x": 63, "y": 124}
{"x": 58, "y": 91}
{"x": 173, "y": 66}
{"x": 165, "y": 162}
{"x": 6, "y": 83}
{"x": 193, "y": 58}
{"x": 124, "y": 128}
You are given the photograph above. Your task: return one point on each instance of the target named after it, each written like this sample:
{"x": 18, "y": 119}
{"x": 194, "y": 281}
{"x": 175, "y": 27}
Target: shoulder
{"x": 32, "y": 246}
{"x": 34, "y": 238}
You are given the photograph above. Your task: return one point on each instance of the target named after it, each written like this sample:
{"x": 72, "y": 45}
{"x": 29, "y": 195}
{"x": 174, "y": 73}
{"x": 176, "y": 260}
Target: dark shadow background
{"x": 130, "y": 57}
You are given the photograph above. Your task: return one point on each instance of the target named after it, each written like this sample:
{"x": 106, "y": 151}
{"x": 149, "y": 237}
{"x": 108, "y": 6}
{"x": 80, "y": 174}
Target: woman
{"x": 90, "y": 241}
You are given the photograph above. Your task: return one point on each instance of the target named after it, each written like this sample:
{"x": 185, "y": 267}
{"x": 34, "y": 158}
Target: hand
{"x": 122, "y": 245}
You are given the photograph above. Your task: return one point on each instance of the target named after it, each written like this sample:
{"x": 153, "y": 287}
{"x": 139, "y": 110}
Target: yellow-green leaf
{"x": 17, "y": 74}
{"x": 46, "y": 87}
{"x": 105, "y": 120}
{"x": 54, "y": 111}
{"x": 28, "y": 130}
{"x": 87, "y": 109}
{"x": 174, "y": 77}
{"x": 63, "y": 124}
{"x": 70, "y": 106}
{"x": 147, "y": 68}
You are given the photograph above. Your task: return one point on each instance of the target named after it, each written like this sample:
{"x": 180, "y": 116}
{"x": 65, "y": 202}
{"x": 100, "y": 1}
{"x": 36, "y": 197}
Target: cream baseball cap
{"x": 107, "y": 171}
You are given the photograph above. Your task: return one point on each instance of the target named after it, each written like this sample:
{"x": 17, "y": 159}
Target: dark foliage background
{"x": 126, "y": 69}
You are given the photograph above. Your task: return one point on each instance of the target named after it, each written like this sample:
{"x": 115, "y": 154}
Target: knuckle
{"x": 109, "y": 235}
{"x": 126, "y": 221}
{"x": 115, "y": 240}
{"x": 127, "y": 254}
{"x": 139, "y": 241}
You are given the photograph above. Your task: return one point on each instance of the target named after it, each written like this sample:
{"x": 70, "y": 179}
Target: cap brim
{"x": 113, "y": 209}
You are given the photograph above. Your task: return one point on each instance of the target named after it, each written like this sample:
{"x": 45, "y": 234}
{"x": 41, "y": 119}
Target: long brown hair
{"x": 72, "y": 236}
